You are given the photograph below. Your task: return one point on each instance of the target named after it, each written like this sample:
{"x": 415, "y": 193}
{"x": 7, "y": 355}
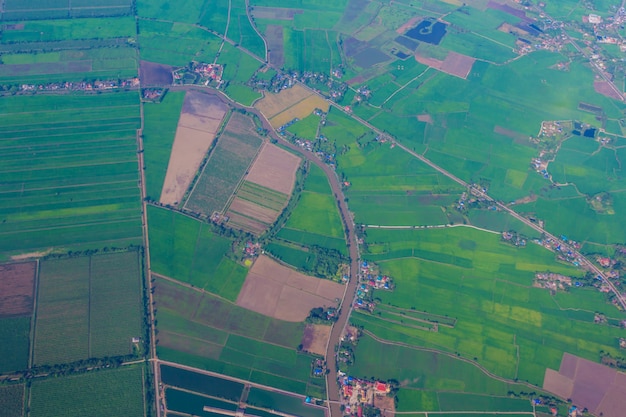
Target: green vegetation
{"x": 79, "y": 188}
{"x": 74, "y": 318}
{"x": 211, "y": 333}
{"x": 12, "y": 400}
{"x": 46, "y": 9}
{"x": 66, "y": 29}
{"x": 160, "y": 122}
{"x": 14, "y": 350}
{"x": 486, "y": 285}
{"x": 116, "y": 392}
{"x": 204, "y": 384}
{"x": 187, "y": 250}
{"x": 281, "y": 402}
{"x": 228, "y": 163}
{"x": 185, "y": 402}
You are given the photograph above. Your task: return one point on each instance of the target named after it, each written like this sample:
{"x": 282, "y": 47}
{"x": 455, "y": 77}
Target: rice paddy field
{"x": 201, "y": 330}
{"x": 504, "y": 324}
{"x": 69, "y": 172}
{"x": 12, "y": 400}
{"x": 187, "y": 250}
{"x": 14, "y": 351}
{"x": 74, "y": 319}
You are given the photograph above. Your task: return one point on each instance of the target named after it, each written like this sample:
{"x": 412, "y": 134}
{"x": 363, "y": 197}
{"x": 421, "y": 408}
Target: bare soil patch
{"x": 508, "y": 28}
{"x": 315, "y": 338}
{"x": 590, "y": 385}
{"x": 426, "y": 118}
{"x": 385, "y": 404}
{"x": 199, "y": 122}
{"x": 458, "y": 65}
{"x": 408, "y": 24}
{"x": 300, "y": 110}
{"x": 153, "y": 74}
{"x": 454, "y": 64}
{"x": 245, "y": 223}
{"x": 272, "y": 104}
{"x": 276, "y": 13}
{"x": 17, "y": 287}
{"x": 274, "y": 38}
{"x": 275, "y": 168}
{"x": 604, "y": 88}
{"x": 283, "y": 293}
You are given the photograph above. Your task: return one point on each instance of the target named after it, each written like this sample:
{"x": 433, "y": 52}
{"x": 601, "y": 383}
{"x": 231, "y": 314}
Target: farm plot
{"x": 117, "y": 392}
{"x": 68, "y": 172}
{"x": 289, "y": 104}
{"x": 208, "y": 332}
{"x": 235, "y": 150}
{"x": 12, "y": 400}
{"x": 265, "y": 192}
{"x": 283, "y": 293}
{"x": 17, "y": 284}
{"x": 14, "y": 349}
{"x": 187, "y": 250}
{"x": 200, "y": 119}
{"x": 50, "y": 9}
{"x": 487, "y": 286}
{"x": 598, "y": 388}
{"x": 74, "y": 317}
{"x": 194, "y": 404}
{"x": 315, "y": 338}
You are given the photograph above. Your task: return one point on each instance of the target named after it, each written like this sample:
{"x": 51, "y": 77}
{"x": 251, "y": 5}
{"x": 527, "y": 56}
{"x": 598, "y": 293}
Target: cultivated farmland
{"x": 68, "y": 172}
{"x": 74, "y": 318}
{"x": 200, "y": 120}
{"x": 117, "y": 392}
{"x": 208, "y": 332}
{"x": 281, "y": 292}
{"x": 236, "y": 148}
{"x": 47, "y": 9}
{"x": 289, "y": 104}
{"x": 17, "y": 285}
{"x": 265, "y": 191}
{"x": 12, "y": 400}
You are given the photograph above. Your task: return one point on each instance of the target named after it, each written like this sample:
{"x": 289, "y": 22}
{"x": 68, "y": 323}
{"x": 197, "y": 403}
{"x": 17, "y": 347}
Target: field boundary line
{"x": 31, "y": 354}
{"x": 89, "y": 310}
{"x": 292, "y": 105}
{"x": 191, "y": 287}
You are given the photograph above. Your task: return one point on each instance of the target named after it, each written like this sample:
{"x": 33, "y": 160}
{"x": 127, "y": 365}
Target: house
{"x": 382, "y": 388}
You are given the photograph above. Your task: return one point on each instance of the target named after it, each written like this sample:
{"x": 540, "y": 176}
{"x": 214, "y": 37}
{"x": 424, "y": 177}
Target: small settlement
{"x": 359, "y": 395}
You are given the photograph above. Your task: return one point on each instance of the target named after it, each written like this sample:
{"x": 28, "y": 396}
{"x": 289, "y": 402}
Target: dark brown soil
{"x": 17, "y": 285}
{"x": 153, "y": 74}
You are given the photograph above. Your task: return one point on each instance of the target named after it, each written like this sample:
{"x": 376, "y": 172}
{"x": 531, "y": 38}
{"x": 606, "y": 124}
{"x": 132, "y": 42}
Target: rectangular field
{"x": 14, "y": 349}
{"x": 17, "y": 284}
{"x": 235, "y": 150}
{"x": 200, "y": 119}
{"x": 109, "y": 393}
{"x": 210, "y": 333}
{"x": 51, "y": 9}
{"x": 68, "y": 172}
{"x": 12, "y": 400}
{"x": 201, "y": 383}
{"x": 74, "y": 315}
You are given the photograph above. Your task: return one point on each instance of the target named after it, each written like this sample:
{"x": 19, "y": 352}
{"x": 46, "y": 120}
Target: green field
{"x": 160, "y": 122}
{"x": 203, "y": 384}
{"x": 54, "y": 9}
{"x": 14, "y": 351}
{"x": 67, "y": 29}
{"x": 316, "y": 211}
{"x": 228, "y": 163}
{"x": 187, "y": 250}
{"x": 69, "y": 172}
{"x": 12, "y": 400}
{"x": 118, "y": 392}
{"x": 74, "y": 319}
{"x": 486, "y": 286}
{"x": 210, "y": 333}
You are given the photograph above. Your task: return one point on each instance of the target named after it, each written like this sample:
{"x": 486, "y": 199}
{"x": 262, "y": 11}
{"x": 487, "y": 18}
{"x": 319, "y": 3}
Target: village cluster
{"x": 199, "y": 73}
{"x": 97, "y": 85}
{"x": 370, "y": 279}
{"x": 358, "y": 396}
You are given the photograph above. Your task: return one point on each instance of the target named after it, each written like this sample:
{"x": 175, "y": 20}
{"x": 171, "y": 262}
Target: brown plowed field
{"x": 588, "y": 384}
{"x": 250, "y": 209}
{"x": 198, "y": 124}
{"x": 315, "y": 338}
{"x": 275, "y": 168}
{"x": 283, "y": 293}
{"x": 244, "y": 223}
{"x": 17, "y": 286}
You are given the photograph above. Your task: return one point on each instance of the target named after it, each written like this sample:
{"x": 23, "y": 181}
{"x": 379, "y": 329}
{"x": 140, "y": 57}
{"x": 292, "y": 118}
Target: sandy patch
{"x": 31, "y": 255}
{"x": 17, "y": 286}
{"x": 408, "y": 25}
{"x": 425, "y": 117}
{"x": 315, "y": 338}
{"x": 283, "y": 293}
{"x": 200, "y": 119}
{"x": 300, "y": 110}
{"x": 274, "y": 168}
